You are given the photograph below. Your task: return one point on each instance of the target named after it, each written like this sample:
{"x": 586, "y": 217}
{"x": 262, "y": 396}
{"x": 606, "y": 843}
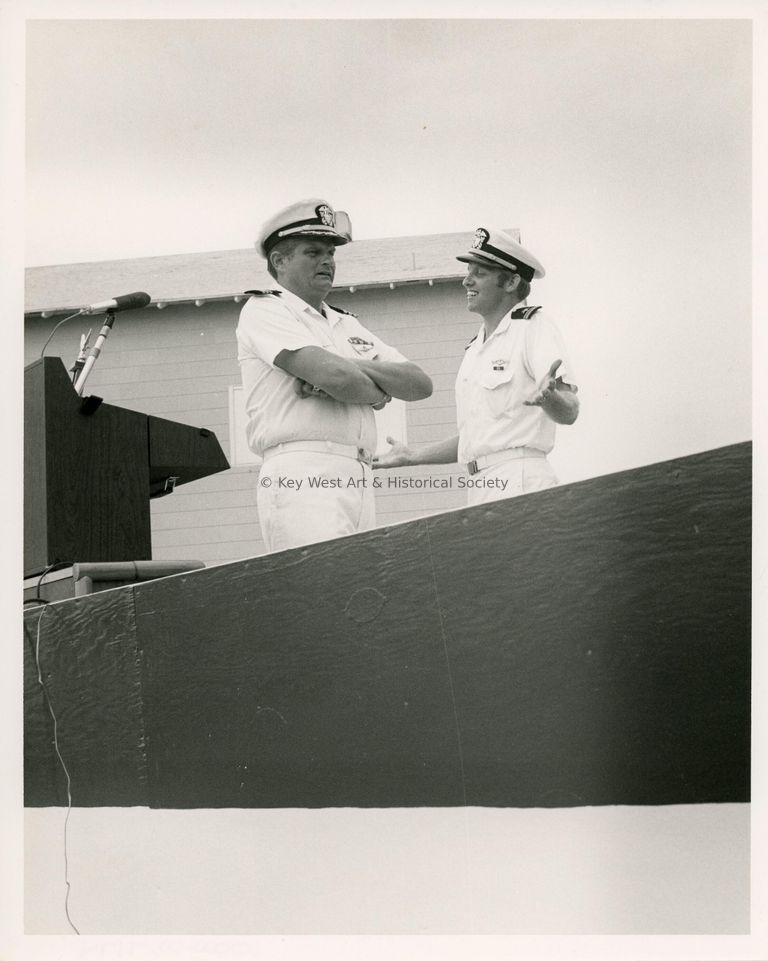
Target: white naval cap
{"x": 495, "y": 248}
{"x": 306, "y": 218}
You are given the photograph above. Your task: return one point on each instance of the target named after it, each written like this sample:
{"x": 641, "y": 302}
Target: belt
{"x": 322, "y": 447}
{"x": 499, "y": 456}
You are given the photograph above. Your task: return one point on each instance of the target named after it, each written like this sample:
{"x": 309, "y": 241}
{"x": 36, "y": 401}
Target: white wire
{"x": 63, "y": 765}
{"x": 50, "y": 336}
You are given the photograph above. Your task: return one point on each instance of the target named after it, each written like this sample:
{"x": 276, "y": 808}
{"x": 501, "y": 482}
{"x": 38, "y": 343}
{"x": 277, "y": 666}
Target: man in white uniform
{"x": 312, "y": 377}
{"x": 513, "y": 384}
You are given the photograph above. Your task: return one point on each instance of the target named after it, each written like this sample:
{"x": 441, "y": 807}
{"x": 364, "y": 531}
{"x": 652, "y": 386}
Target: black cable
{"x": 51, "y": 567}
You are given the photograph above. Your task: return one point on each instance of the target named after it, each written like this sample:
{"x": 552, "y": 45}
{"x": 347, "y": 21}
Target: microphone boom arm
{"x": 94, "y": 352}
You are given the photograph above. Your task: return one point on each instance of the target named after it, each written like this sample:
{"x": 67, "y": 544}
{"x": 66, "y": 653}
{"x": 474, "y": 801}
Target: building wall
{"x": 180, "y": 363}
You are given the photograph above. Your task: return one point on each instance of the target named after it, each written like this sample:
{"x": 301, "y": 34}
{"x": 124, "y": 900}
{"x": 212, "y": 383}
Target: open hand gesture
{"x": 398, "y": 455}
{"x": 546, "y": 387}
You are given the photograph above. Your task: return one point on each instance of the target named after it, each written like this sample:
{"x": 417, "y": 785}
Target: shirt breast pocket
{"x": 497, "y": 388}
{"x": 365, "y": 349}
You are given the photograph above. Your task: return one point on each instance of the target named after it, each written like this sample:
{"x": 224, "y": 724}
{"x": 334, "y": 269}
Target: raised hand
{"x": 546, "y": 387}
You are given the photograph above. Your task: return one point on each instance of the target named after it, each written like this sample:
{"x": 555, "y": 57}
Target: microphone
{"x": 126, "y": 302}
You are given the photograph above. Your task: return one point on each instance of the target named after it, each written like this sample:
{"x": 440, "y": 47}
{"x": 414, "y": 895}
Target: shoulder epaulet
{"x": 471, "y": 342}
{"x": 340, "y": 310}
{"x": 263, "y": 293}
{"x": 525, "y": 312}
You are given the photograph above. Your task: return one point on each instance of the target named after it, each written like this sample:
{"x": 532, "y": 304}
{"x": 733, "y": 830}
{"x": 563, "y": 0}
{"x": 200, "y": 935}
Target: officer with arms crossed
{"x": 512, "y": 386}
{"x": 312, "y": 377}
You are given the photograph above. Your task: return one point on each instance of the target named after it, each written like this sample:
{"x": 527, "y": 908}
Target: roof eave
{"x": 161, "y": 303}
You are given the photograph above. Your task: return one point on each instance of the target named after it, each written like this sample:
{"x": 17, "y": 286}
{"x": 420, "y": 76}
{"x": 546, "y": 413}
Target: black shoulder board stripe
{"x": 471, "y": 342}
{"x": 525, "y": 312}
{"x": 263, "y": 293}
{"x": 340, "y": 310}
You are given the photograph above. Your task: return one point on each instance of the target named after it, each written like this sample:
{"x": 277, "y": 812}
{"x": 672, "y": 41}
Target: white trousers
{"x": 307, "y": 496}
{"x": 511, "y": 478}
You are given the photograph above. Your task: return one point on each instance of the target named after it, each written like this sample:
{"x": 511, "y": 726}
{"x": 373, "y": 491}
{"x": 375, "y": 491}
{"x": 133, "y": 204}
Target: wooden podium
{"x": 90, "y": 470}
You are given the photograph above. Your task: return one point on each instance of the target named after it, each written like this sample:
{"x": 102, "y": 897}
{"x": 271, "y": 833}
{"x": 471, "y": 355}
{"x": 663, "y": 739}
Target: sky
{"x": 620, "y": 148}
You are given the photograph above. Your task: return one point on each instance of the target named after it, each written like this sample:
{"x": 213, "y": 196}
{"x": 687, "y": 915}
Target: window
{"x": 239, "y": 453}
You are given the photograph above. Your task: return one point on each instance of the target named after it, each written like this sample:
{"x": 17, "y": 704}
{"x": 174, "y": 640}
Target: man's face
{"x": 309, "y": 271}
{"x": 486, "y": 289}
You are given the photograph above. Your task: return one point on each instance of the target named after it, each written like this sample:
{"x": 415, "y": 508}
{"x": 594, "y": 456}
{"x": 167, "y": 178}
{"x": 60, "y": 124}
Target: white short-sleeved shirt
{"x": 496, "y": 376}
{"x": 272, "y": 322}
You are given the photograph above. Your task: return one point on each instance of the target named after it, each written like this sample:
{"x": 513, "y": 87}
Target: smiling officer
{"x": 312, "y": 377}
{"x": 512, "y": 386}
